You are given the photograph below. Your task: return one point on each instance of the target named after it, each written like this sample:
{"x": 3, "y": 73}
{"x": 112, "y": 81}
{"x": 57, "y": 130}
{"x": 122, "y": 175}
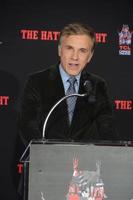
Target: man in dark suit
{"x": 92, "y": 116}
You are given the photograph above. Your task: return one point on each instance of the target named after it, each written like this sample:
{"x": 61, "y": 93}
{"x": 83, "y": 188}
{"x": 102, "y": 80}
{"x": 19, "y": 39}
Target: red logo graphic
{"x": 101, "y": 37}
{"x": 4, "y": 100}
{"x": 20, "y": 168}
{"x": 123, "y": 104}
{"x": 27, "y": 34}
{"x": 86, "y": 184}
{"x": 36, "y": 35}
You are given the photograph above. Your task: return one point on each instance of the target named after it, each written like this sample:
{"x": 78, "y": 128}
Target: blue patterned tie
{"x": 71, "y": 100}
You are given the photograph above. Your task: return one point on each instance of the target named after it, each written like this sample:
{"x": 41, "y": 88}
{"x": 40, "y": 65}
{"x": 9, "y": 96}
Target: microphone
{"x": 89, "y": 92}
{"x": 88, "y": 86}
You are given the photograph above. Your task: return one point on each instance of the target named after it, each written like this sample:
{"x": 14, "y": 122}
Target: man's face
{"x": 75, "y": 52}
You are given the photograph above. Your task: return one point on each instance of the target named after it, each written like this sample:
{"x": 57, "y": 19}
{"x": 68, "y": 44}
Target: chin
{"x": 73, "y": 73}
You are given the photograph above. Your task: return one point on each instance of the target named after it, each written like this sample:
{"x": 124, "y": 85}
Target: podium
{"x": 80, "y": 171}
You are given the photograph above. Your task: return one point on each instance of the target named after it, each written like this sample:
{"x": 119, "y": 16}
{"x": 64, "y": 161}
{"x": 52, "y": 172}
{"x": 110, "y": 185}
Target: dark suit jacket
{"x": 92, "y": 119}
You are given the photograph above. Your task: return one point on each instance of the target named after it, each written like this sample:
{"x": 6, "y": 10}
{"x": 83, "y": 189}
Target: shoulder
{"x": 96, "y": 78}
{"x": 43, "y": 75}
{"x": 93, "y": 78}
{"x": 97, "y": 83}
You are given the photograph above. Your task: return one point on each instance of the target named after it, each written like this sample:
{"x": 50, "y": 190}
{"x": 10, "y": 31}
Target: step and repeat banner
{"x": 28, "y": 42}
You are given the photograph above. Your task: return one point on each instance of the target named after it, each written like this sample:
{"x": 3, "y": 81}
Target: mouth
{"x": 73, "y": 65}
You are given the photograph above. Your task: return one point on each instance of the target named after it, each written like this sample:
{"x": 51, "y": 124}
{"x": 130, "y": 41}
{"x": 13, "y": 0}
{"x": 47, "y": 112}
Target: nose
{"x": 75, "y": 55}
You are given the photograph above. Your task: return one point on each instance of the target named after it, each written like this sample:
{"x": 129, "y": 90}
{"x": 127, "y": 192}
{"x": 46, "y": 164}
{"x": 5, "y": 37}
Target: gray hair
{"x": 78, "y": 29}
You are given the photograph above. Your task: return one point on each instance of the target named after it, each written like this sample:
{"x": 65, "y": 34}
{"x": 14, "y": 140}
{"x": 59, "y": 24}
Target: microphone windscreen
{"x": 89, "y": 92}
{"x": 88, "y": 86}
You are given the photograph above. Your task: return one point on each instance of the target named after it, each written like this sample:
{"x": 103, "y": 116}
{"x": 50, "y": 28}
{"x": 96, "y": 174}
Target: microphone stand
{"x": 52, "y": 109}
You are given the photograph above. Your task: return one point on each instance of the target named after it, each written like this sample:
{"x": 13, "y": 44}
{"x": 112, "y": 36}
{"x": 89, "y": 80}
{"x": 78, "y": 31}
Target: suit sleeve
{"x": 30, "y": 110}
{"x": 104, "y": 113}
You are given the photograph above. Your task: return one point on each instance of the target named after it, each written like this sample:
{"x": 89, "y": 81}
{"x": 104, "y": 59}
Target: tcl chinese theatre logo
{"x": 125, "y": 40}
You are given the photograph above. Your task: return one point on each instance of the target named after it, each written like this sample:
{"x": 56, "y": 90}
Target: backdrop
{"x": 29, "y": 32}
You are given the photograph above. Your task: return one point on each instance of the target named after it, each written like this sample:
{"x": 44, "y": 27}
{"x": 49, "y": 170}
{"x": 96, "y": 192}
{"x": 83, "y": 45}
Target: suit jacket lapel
{"x": 58, "y": 93}
{"x": 55, "y": 80}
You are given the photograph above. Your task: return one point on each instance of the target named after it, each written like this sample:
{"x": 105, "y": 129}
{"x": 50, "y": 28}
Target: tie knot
{"x": 72, "y": 80}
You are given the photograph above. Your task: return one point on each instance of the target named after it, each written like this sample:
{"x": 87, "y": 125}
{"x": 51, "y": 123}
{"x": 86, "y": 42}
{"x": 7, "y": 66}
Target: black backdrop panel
{"x": 19, "y": 57}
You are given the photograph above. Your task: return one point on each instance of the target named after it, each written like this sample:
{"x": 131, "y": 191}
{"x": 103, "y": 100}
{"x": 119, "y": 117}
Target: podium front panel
{"x": 80, "y": 172}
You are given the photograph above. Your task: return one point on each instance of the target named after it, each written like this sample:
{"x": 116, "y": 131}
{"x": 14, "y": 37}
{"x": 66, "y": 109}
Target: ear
{"x": 90, "y": 56}
{"x": 59, "y": 50}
